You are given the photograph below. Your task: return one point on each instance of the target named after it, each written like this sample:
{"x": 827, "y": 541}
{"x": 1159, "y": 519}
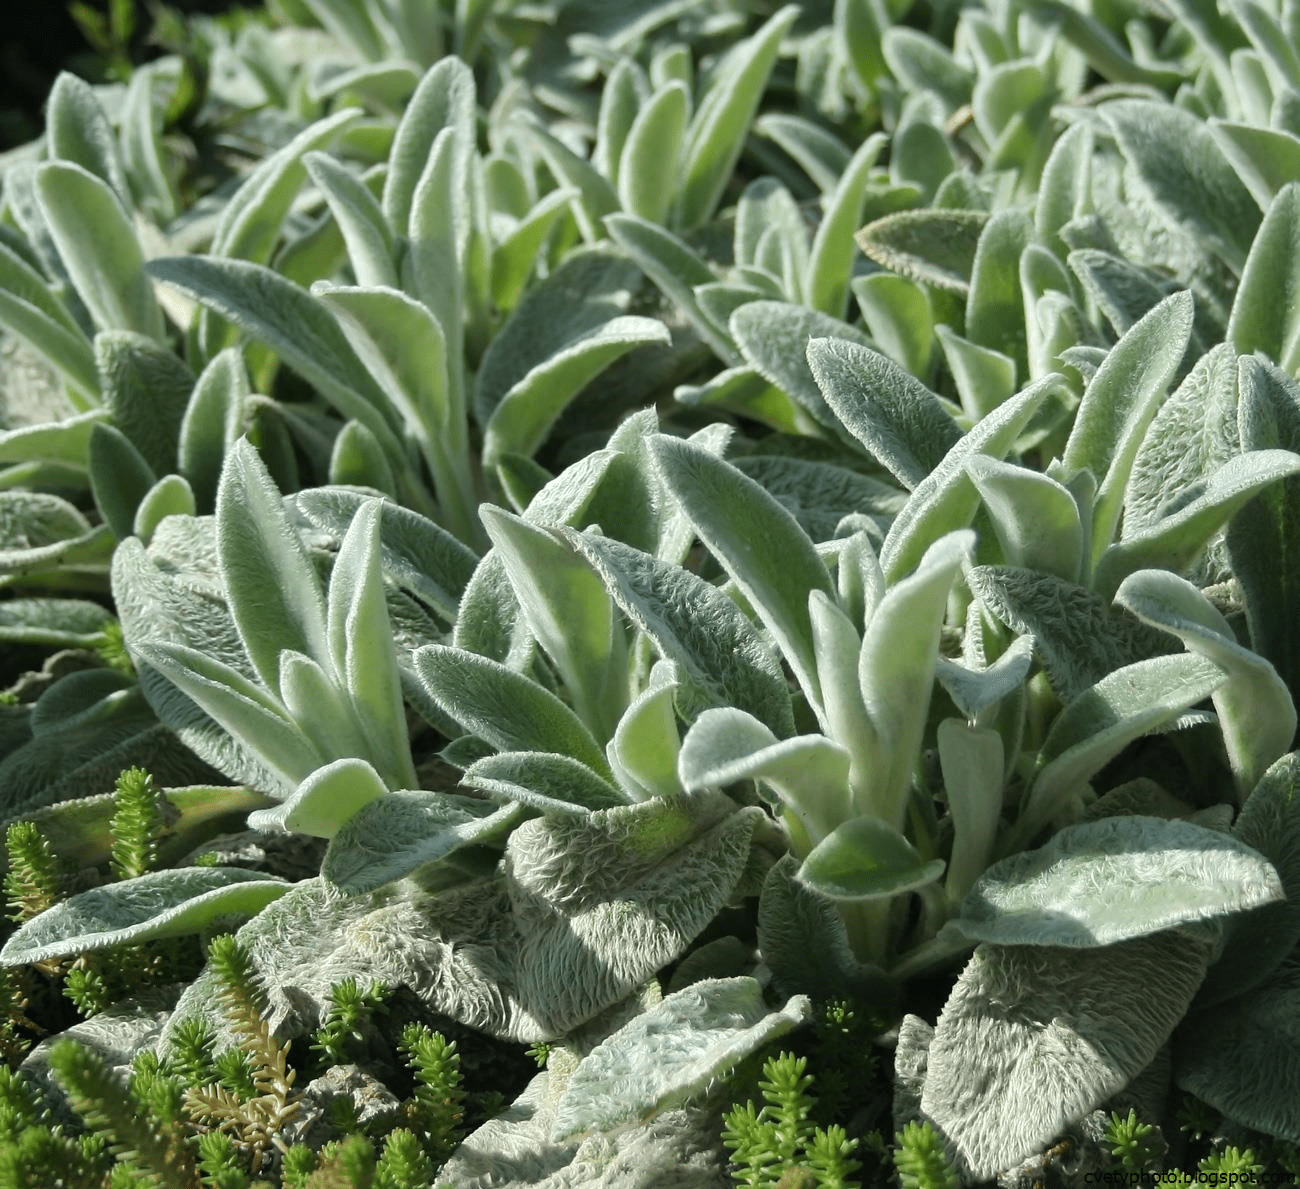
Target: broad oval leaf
{"x": 543, "y": 780}
{"x": 169, "y": 903}
{"x": 392, "y": 836}
{"x": 1097, "y": 725}
{"x": 1179, "y": 163}
{"x": 671, "y": 1053}
{"x": 1032, "y": 1039}
{"x": 865, "y": 859}
{"x": 323, "y": 802}
{"x": 1239, "y": 1057}
{"x": 1112, "y": 880}
{"x": 1035, "y": 518}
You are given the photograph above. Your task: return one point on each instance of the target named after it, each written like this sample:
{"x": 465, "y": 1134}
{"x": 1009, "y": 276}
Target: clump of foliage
{"x": 804, "y": 498}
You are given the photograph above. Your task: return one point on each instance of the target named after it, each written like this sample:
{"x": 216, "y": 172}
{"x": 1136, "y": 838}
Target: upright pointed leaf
{"x": 723, "y": 660}
{"x": 1265, "y": 313}
{"x": 1119, "y": 404}
{"x": 79, "y": 132}
{"x": 896, "y": 672}
{"x": 271, "y": 586}
{"x": 653, "y": 147}
{"x": 211, "y": 424}
{"x": 898, "y": 419}
{"x": 99, "y": 248}
{"x": 360, "y": 219}
{"x": 946, "y": 499}
{"x": 570, "y": 613}
{"x": 361, "y": 644}
{"x": 145, "y": 389}
{"x": 718, "y": 129}
{"x": 756, "y": 541}
{"x": 503, "y": 707}
{"x": 243, "y": 709}
{"x": 444, "y": 98}
{"x": 297, "y": 327}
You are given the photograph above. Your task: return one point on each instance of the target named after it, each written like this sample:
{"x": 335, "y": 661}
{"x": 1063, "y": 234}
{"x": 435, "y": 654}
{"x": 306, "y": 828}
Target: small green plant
{"x": 1134, "y": 1144}
{"x": 350, "y": 1007}
{"x": 778, "y": 1144}
{"x": 920, "y": 1159}
{"x": 436, "y": 1109}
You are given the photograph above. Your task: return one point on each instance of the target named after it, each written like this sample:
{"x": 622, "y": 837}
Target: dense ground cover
{"x": 656, "y": 594}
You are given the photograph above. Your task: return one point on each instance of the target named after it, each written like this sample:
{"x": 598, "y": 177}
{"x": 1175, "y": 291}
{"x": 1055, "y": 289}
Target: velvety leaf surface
{"x": 802, "y": 938}
{"x": 1097, "y": 725}
{"x": 1262, "y": 544}
{"x": 1077, "y": 637}
{"x": 161, "y": 904}
{"x": 1240, "y": 1056}
{"x": 773, "y": 336}
{"x": 1259, "y": 939}
{"x": 865, "y": 859}
{"x": 503, "y": 707}
{"x": 603, "y": 901}
{"x": 1032, "y": 1038}
{"x": 585, "y": 912}
{"x": 99, "y": 248}
{"x": 1264, "y": 312}
{"x": 695, "y": 625}
{"x": 391, "y": 836}
{"x": 899, "y": 421}
{"x": 671, "y": 1053}
{"x": 1181, "y": 166}
{"x": 1112, "y": 880}
{"x": 755, "y": 540}
{"x": 933, "y": 246}
{"x": 274, "y": 595}
{"x": 542, "y": 780}
{"x": 172, "y": 592}
{"x": 324, "y": 801}
{"x": 418, "y": 555}
{"x": 1256, "y": 712}
{"x": 1191, "y": 436}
